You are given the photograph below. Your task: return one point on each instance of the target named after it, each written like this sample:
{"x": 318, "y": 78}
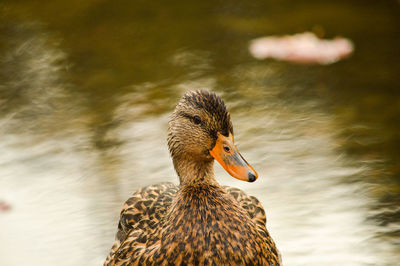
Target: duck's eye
{"x": 196, "y": 119}
{"x": 226, "y": 148}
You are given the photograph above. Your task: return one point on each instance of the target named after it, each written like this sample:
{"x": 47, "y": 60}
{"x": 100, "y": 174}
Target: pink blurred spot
{"x": 4, "y": 206}
{"x": 303, "y": 48}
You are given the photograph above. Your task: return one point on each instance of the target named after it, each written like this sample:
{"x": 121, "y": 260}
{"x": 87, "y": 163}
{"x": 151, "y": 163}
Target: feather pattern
{"x": 195, "y": 220}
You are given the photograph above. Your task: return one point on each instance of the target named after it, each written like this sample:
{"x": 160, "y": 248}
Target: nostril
{"x": 227, "y": 149}
{"x": 251, "y": 177}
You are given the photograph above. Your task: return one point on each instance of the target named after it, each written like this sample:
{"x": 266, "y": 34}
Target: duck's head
{"x": 200, "y": 130}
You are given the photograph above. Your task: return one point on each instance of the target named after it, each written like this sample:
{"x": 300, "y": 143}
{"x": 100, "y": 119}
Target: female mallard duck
{"x": 198, "y": 222}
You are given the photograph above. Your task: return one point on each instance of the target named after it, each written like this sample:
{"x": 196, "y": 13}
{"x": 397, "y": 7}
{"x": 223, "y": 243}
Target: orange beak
{"x": 229, "y": 157}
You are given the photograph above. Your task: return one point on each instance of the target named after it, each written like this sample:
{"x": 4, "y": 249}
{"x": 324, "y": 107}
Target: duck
{"x": 199, "y": 221}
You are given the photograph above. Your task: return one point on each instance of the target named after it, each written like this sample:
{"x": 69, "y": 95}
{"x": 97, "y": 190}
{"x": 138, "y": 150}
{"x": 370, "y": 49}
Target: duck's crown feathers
{"x": 213, "y": 105}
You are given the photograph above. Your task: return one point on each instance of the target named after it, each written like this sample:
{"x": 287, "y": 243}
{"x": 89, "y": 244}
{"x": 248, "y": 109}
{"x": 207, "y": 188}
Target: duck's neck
{"x": 195, "y": 172}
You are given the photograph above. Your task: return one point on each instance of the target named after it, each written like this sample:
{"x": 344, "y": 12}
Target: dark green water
{"x": 86, "y": 88}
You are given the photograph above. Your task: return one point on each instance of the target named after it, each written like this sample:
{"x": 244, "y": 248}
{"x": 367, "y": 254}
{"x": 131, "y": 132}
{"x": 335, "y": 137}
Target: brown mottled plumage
{"x": 198, "y": 222}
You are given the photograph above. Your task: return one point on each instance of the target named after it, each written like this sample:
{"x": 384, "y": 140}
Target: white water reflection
{"x": 66, "y": 194}
{"x": 314, "y": 218}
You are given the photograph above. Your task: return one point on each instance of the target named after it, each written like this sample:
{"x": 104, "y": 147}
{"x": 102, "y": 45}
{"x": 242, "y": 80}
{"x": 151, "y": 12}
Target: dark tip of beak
{"x": 251, "y": 177}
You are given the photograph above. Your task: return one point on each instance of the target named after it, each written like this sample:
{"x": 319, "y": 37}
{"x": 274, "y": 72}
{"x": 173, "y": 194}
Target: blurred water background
{"x": 86, "y": 88}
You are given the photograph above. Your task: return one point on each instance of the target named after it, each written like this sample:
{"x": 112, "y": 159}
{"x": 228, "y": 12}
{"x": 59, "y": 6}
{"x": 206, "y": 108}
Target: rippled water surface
{"x": 86, "y": 89}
